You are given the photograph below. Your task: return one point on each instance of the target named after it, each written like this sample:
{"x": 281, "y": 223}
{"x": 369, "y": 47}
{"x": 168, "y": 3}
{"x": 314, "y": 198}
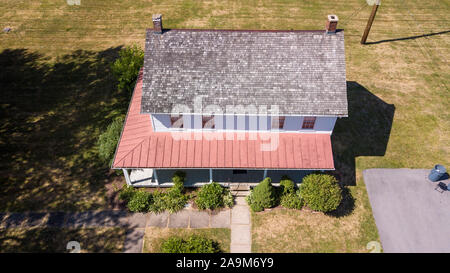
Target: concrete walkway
{"x": 241, "y": 234}
{"x": 134, "y": 223}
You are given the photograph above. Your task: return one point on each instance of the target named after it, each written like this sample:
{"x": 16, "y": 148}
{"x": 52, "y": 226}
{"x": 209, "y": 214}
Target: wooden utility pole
{"x": 369, "y": 23}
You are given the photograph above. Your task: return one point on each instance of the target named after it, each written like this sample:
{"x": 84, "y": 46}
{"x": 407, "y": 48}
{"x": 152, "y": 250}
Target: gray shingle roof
{"x": 303, "y": 72}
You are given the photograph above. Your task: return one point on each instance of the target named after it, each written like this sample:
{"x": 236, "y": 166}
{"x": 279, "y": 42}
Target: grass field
{"x": 58, "y": 95}
{"x": 154, "y": 237}
{"x": 54, "y": 240}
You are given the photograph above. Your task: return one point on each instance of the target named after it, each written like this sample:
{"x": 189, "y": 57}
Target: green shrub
{"x": 158, "y": 203}
{"x": 126, "y": 193}
{"x": 194, "y": 244}
{"x": 126, "y": 67}
{"x": 140, "y": 201}
{"x": 287, "y": 184}
{"x": 262, "y": 196}
{"x": 173, "y": 245}
{"x": 197, "y": 244}
{"x": 107, "y": 141}
{"x": 321, "y": 192}
{"x": 292, "y": 200}
{"x": 178, "y": 180}
{"x": 256, "y": 207}
{"x": 228, "y": 199}
{"x": 172, "y": 200}
{"x": 210, "y": 196}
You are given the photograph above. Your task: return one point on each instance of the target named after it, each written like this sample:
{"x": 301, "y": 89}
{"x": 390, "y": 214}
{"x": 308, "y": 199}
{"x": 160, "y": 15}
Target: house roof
{"x": 302, "y": 72}
{"x": 141, "y": 147}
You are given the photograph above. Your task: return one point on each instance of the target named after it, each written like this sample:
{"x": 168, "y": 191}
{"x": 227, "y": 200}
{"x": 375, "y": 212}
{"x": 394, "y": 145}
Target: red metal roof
{"x": 141, "y": 147}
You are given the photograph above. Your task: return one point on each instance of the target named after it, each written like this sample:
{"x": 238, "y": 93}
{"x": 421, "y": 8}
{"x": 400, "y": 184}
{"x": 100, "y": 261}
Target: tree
{"x": 126, "y": 67}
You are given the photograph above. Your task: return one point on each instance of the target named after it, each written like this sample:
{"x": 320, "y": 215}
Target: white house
{"x": 233, "y": 105}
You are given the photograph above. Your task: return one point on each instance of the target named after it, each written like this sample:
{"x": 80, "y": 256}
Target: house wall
{"x": 161, "y": 123}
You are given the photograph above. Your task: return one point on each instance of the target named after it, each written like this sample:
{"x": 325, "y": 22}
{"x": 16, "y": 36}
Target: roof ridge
{"x": 131, "y": 150}
{"x": 243, "y": 30}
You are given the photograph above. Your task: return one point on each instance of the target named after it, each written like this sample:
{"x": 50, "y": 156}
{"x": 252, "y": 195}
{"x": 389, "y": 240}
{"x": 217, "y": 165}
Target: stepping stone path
{"x": 241, "y": 233}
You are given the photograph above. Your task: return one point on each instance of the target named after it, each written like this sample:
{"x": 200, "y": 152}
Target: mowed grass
{"x": 54, "y": 240}
{"x": 58, "y": 95}
{"x": 155, "y": 237}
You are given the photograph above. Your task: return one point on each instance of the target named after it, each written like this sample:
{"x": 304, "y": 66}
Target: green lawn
{"x": 154, "y": 237}
{"x": 58, "y": 94}
{"x": 38, "y": 240}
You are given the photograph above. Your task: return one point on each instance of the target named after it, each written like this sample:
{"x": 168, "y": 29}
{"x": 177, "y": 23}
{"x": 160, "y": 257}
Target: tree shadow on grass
{"x": 365, "y": 132}
{"x": 54, "y": 240}
{"x": 51, "y": 115}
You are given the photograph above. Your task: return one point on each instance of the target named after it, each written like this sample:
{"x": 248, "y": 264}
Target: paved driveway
{"x": 410, "y": 214}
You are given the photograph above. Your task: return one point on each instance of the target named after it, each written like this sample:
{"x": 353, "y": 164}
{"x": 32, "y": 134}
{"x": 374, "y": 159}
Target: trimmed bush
{"x": 158, "y": 204}
{"x": 262, "y": 196}
{"x": 321, "y": 192}
{"x": 172, "y": 201}
{"x": 194, "y": 244}
{"x": 292, "y": 200}
{"x": 173, "y": 245}
{"x": 228, "y": 199}
{"x": 256, "y": 207}
{"x": 140, "y": 201}
{"x": 126, "y": 193}
{"x": 210, "y": 196}
{"x": 107, "y": 141}
{"x": 197, "y": 244}
{"x": 287, "y": 184}
{"x": 126, "y": 67}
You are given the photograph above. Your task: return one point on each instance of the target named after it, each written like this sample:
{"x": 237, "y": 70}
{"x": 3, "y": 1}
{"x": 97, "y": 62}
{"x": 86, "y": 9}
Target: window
{"x": 239, "y": 171}
{"x": 208, "y": 122}
{"x": 308, "y": 122}
{"x": 278, "y": 122}
{"x": 176, "y": 121}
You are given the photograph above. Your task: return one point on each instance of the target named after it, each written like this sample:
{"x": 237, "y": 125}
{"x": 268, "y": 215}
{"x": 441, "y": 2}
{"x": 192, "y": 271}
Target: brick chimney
{"x": 331, "y": 24}
{"x": 157, "y": 23}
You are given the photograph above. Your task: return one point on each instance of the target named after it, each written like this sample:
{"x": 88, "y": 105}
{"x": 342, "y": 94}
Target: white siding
{"x": 161, "y": 122}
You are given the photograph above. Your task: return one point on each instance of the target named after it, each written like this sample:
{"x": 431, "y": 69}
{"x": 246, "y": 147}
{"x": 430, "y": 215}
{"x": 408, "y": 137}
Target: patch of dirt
{"x": 112, "y": 193}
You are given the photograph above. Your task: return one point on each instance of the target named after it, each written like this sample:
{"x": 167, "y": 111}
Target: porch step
{"x": 239, "y": 190}
{"x": 239, "y": 187}
{"x": 240, "y": 193}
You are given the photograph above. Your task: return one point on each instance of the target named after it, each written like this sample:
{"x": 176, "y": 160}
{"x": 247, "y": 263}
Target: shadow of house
{"x": 408, "y": 38}
{"x": 365, "y": 132}
{"x": 50, "y": 114}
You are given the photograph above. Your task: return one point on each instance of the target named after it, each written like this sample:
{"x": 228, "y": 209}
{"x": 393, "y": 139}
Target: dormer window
{"x": 176, "y": 121}
{"x": 278, "y": 122}
{"x": 208, "y": 122}
{"x": 308, "y": 122}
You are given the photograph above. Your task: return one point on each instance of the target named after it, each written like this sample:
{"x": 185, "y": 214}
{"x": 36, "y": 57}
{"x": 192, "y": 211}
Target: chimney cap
{"x": 333, "y": 18}
{"x": 156, "y": 17}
